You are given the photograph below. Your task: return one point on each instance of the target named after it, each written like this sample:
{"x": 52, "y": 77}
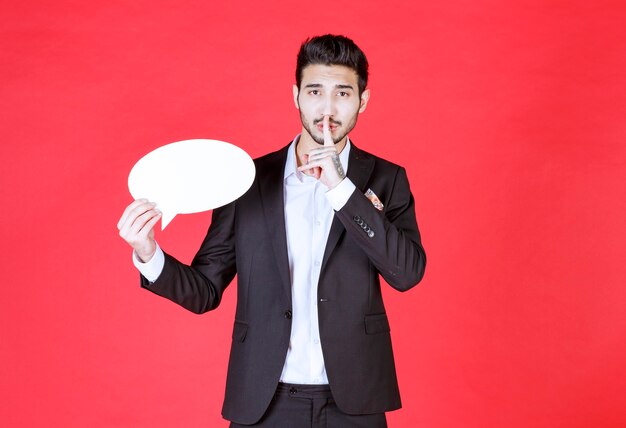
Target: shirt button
{"x": 318, "y": 223}
{"x": 288, "y": 314}
{"x": 316, "y": 341}
{"x": 317, "y": 263}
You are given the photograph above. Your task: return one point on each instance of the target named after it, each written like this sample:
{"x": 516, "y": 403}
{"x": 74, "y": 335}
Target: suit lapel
{"x": 360, "y": 167}
{"x": 273, "y": 200}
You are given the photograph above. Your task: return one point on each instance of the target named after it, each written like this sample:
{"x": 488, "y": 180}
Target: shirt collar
{"x": 291, "y": 164}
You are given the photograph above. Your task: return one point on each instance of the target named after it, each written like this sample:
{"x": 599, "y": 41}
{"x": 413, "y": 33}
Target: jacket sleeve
{"x": 199, "y": 287}
{"x": 390, "y": 238}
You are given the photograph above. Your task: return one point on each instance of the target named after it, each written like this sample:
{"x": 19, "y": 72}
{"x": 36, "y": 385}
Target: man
{"x": 311, "y": 343}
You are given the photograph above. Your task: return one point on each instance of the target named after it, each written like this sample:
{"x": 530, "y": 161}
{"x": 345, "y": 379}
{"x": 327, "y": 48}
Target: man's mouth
{"x": 320, "y": 127}
{"x": 331, "y": 126}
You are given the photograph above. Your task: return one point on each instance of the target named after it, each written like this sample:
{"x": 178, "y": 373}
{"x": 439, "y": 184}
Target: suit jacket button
{"x": 370, "y": 233}
{"x": 356, "y": 218}
{"x": 288, "y": 315}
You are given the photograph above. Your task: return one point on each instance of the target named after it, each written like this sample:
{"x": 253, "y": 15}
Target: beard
{"x": 319, "y": 139}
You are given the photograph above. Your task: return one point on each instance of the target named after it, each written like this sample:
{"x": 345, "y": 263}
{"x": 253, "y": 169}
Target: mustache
{"x": 330, "y": 121}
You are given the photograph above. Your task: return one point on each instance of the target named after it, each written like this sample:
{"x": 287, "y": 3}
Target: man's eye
{"x": 343, "y": 94}
{"x": 314, "y": 92}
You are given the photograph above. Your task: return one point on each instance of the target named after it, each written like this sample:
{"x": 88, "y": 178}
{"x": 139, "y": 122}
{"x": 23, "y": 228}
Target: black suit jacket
{"x": 247, "y": 238}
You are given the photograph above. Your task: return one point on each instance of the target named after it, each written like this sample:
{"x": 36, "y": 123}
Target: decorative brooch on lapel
{"x": 374, "y": 199}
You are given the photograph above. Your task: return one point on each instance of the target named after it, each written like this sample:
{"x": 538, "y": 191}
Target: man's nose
{"x": 329, "y": 107}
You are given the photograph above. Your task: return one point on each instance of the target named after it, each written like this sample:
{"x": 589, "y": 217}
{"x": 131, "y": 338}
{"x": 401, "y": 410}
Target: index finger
{"x": 328, "y": 138}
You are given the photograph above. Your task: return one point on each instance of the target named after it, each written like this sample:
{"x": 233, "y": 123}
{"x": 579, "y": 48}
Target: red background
{"x": 509, "y": 117}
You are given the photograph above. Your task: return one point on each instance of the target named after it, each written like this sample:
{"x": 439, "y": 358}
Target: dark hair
{"x": 331, "y": 49}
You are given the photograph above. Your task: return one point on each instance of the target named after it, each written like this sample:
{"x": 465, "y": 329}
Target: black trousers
{"x": 311, "y": 406}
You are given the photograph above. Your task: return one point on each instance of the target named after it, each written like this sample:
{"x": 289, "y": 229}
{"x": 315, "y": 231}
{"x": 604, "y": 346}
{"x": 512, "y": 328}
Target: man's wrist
{"x": 152, "y": 268}
{"x": 144, "y": 257}
{"x": 339, "y": 195}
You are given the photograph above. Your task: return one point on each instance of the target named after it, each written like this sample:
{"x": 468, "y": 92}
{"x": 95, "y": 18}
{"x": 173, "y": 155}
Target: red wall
{"x": 509, "y": 116}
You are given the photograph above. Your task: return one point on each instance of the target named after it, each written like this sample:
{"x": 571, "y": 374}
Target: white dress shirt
{"x": 308, "y": 216}
{"x": 309, "y": 213}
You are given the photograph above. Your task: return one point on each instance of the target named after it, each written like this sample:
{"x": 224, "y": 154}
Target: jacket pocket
{"x": 240, "y": 330}
{"x": 375, "y": 324}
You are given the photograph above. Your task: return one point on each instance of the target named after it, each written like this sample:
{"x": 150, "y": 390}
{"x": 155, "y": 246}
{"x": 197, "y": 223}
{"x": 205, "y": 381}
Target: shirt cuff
{"x": 340, "y": 194}
{"x": 153, "y": 267}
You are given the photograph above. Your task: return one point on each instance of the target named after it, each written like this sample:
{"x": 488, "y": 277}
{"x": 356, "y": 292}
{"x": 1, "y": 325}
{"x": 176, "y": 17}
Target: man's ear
{"x": 365, "y": 97}
{"x": 295, "y": 96}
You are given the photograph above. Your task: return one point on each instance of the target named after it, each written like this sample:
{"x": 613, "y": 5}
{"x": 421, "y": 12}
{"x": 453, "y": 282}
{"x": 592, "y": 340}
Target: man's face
{"x": 329, "y": 90}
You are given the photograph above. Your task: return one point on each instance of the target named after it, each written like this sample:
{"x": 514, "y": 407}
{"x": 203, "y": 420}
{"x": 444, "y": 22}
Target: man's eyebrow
{"x": 319, "y": 85}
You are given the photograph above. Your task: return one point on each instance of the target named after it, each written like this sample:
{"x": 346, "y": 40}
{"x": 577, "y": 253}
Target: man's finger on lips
{"x": 328, "y": 138}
